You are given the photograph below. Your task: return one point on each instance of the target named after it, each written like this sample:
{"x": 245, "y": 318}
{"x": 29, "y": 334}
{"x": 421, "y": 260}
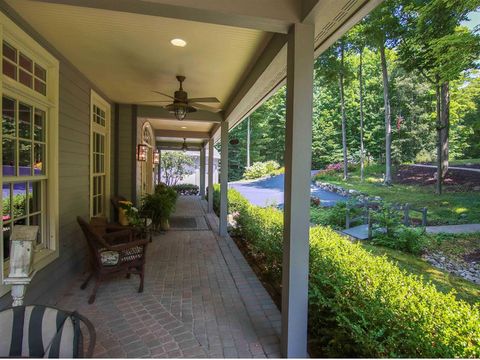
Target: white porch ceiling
{"x": 128, "y": 55}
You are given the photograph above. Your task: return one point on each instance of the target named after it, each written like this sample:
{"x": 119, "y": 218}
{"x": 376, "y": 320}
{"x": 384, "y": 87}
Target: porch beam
{"x": 224, "y": 179}
{"x": 158, "y": 112}
{"x": 167, "y": 145}
{"x": 210, "y": 175}
{"x": 267, "y": 15}
{"x": 271, "y": 61}
{"x": 182, "y": 134}
{"x": 202, "y": 171}
{"x": 298, "y": 140}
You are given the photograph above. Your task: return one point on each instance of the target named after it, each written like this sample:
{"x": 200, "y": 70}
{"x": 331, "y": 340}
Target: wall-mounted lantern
{"x": 142, "y": 150}
{"x": 22, "y": 240}
{"x": 156, "y": 157}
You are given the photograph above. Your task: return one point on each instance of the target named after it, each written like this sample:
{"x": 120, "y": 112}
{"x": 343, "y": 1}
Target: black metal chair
{"x": 38, "y": 331}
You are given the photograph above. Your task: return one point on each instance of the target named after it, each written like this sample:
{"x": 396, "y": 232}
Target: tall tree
{"x": 382, "y": 28}
{"x": 357, "y": 38}
{"x": 437, "y": 46}
{"x": 331, "y": 68}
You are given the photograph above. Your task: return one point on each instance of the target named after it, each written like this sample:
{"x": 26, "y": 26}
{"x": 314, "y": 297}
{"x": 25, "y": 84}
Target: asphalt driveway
{"x": 269, "y": 191}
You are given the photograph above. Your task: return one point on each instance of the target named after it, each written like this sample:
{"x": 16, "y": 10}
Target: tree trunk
{"x": 362, "y": 150}
{"x": 344, "y": 118}
{"x": 388, "y": 125}
{"x": 445, "y": 117}
{"x": 439, "y": 184}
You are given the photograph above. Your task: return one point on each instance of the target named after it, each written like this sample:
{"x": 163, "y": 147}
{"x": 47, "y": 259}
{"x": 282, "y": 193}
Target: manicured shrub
{"x": 261, "y": 169}
{"x": 361, "y": 305}
{"x": 235, "y": 200}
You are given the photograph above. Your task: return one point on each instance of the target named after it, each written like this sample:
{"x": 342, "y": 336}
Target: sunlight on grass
{"x": 460, "y": 210}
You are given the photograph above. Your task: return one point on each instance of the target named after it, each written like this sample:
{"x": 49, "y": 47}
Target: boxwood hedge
{"x": 361, "y": 304}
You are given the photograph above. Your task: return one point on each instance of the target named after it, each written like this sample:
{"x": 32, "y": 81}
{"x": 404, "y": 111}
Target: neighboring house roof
{"x": 216, "y": 154}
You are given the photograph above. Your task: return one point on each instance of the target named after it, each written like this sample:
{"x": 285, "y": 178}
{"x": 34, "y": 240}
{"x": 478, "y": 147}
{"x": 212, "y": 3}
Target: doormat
{"x": 180, "y": 223}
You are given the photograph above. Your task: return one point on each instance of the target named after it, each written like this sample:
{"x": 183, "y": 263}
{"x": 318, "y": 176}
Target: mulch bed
{"x": 455, "y": 180}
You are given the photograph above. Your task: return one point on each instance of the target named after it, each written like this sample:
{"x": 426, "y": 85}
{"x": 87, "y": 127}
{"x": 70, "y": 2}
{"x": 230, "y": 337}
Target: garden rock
{"x": 468, "y": 270}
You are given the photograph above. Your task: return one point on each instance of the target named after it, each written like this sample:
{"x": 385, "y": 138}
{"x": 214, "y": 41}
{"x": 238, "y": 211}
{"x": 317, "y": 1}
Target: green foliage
{"x": 236, "y": 201}
{"x": 448, "y": 208}
{"x": 175, "y": 166}
{"x": 333, "y": 216}
{"x": 267, "y": 125}
{"x": 361, "y": 305}
{"x": 132, "y": 214}
{"x": 186, "y": 189}
{"x": 161, "y": 204}
{"x": 261, "y": 169}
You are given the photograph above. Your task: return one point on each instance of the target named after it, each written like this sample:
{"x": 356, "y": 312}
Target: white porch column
{"x": 202, "y": 171}
{"x": 298, "y": 153}
{"x": 210, "y": 175}
{"x": 224, "y": 179}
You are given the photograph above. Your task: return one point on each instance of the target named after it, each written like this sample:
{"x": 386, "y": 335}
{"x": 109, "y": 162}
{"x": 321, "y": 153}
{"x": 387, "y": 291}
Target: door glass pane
{"x": 39, "y": 125}
{"x": 40, "y": 72}
{"x": 25, "y": 158}
{"x": 35, "y": 197}
{"x": 40, "y": 87}
{"x": 26, "y": 63}
{"x": 9, "y": 52}
{"x": 8, "y": 117}
{"x": 25, "y": 121}
{"x": 8, "y": 157}
{"x": 25, "y": 78}
{"x": 9, "y": 69}
{"x": 6, "y": 215}
{"x": 39, "y": 159}
{"x": 19, "y": 199}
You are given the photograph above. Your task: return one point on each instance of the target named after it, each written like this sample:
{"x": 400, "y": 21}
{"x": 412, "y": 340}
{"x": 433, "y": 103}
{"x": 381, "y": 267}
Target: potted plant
{"x": 161, "y": 205}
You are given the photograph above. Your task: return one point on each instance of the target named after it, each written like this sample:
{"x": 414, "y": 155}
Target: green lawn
{"x": 444, "y": 281}
{"x": 465, "y": 162}
{"x": 449, "y": 208}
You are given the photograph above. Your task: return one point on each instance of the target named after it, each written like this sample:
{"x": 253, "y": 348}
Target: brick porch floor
{"x": 201, "y": 299}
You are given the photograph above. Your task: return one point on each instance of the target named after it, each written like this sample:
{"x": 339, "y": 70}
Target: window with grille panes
{"x": 29, "y": 141}
{"x": 99, "y": 159}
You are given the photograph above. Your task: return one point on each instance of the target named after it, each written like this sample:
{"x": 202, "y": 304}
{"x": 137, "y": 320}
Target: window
{"x": 99, "y": 156}
{"x": 20, "y": 67}
{"x": 29, "y": 144}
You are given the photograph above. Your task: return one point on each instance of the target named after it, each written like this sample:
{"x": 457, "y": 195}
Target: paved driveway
{"x": 269, "y": 191}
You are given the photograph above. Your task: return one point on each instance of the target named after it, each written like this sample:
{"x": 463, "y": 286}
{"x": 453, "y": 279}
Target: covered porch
{"x": 111, "y": 69}
{"x": 201, "y": 299}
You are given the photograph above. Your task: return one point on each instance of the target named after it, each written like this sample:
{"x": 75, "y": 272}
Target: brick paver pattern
{"x": 201, "y": 299}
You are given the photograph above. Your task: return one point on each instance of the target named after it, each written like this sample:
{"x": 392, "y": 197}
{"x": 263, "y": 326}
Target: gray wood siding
{"x": 125, "y": 151}
{"x": 74, "y": 176}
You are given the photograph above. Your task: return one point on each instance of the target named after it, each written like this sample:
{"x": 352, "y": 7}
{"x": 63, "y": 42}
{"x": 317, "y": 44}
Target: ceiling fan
{"x": 182, "y": 104}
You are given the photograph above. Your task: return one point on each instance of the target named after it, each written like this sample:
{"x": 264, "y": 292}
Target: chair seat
{"x": 109, "y": 258}
{"x": 39, "y": 331}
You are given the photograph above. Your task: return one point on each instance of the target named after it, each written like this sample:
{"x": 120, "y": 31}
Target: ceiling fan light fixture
{"x": 180, "y": 112}
{"x": 178, "y": 42}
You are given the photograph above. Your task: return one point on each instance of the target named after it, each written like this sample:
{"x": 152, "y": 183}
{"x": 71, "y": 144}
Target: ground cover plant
{"x": 452, "y": 207}
{"x": 361, "y": 304}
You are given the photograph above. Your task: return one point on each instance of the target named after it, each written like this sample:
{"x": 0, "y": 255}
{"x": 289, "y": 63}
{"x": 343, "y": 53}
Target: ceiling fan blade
{"x": 171, "y": 97}
{"x": 153, "y": 101}
{"x": 204, "y": 107}
{"x": 204, "y": 100}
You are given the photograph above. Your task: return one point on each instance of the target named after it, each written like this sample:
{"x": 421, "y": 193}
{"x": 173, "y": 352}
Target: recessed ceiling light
{"x": 178, "y": 42}
{"x": 184, "y": 127}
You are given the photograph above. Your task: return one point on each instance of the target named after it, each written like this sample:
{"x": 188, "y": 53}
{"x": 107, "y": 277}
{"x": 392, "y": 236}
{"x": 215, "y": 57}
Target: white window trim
{"x": 15, "y": 36}
{"x": 97, "y": 100}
